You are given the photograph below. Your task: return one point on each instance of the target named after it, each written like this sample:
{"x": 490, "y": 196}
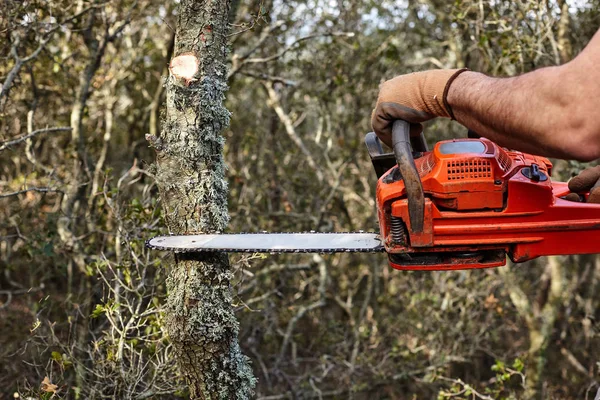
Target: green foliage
{"x": 508, "y": 384}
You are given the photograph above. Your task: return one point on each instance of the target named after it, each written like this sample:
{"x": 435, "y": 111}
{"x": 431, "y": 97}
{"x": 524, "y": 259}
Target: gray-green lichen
{"x": 205, "y": 327}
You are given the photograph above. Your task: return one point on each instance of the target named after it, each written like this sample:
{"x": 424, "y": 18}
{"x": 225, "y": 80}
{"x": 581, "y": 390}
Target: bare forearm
{"x": 529, "y": 113}
{"x": 539, "y": 112}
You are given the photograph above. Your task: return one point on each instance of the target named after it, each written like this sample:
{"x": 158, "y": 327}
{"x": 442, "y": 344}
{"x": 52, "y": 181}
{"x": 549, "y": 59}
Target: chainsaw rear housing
{"x": 480, "y": 203}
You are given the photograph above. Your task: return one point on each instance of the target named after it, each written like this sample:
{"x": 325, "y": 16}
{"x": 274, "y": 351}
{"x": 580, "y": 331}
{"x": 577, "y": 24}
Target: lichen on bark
{"x": 190, "y": 176}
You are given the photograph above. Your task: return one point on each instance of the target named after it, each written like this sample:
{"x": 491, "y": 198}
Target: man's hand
{"x": 586, "y": 181}
{"x": 414, "y": 98}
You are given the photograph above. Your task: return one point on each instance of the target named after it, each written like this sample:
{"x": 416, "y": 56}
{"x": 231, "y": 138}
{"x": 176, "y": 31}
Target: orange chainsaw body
{"x": 482, "y": 202}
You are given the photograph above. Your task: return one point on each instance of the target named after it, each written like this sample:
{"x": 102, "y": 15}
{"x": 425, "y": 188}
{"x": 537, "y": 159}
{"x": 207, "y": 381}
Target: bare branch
{"x": 121, "y": 27}
{"x": 270, "y": 78}
{"x": 466, "y": 387}
{"x": 32, "y": 189}
{"x": 10, "y": 293}
{"x": 294, "y": 43}
{"x": 323, "y": 274}
{"x": 19, "y": 62}
{"x": 238, "y": 60}
{"x": 290, "y": 130}
{"x": 5, "y": 145}
{"x": 574, "y": 361}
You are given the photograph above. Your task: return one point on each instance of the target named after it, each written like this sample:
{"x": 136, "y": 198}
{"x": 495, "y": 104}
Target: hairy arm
{"x": 552, "y": 111}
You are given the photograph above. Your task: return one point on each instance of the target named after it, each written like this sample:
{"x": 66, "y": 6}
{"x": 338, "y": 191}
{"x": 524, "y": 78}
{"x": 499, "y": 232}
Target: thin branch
{"x": 270, "y": 78}
{"x": 426, "y": 60}
{"x": 33, "y": 189}
{"x": 238, "y": 60}
{"x": 574, "y": 361}
{"x": 294, "y": 43}
{"x": 323, "y": 274}
{"x": 517, "y": 295}
{"x": 290, "y": 395}
{"x": 112, "y": 36}
{"x": 255, "y": 19}
{"x": 285, "y": 119}
{"x": 10, "y": 293}
{"x": 5, "y": 145}
{"x": 19, "y": 62}
{"x": 466, "y": 386}
{"x": 283, "y": 267}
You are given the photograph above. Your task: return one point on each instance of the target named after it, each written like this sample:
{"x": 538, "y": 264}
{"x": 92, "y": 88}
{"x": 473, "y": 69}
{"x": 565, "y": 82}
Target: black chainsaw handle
{"x": 412, "y": 180}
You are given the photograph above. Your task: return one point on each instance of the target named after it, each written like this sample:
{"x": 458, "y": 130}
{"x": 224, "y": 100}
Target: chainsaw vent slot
{"x": 469, "y": 169}
{"x": 504, "y": 161}
{"x": 426, "y": 165}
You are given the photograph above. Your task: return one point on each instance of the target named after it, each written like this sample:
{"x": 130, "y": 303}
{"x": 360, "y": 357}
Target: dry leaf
{"x": 48, "y": 386}
{"x": 490, "y": 301}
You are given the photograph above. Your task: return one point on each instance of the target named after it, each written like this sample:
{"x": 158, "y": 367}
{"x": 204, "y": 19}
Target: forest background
{"x": 82, "y": 301}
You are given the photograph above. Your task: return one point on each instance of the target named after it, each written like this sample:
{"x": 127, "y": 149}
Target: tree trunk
{"x": 190, "y": 177}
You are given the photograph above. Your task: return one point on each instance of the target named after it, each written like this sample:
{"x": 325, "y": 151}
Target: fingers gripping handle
{"x": 412, "y": 180}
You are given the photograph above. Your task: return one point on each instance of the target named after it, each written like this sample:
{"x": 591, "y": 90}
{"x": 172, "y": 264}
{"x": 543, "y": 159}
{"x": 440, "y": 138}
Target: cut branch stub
{"x": 185, "y": 67}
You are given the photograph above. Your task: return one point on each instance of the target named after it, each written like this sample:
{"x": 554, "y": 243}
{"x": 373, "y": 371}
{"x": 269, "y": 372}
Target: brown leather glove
{"x": 587, "y": 181}
{"x": 415, "y": 98}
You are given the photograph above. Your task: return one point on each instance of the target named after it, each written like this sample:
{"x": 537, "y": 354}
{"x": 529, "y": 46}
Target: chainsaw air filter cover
{"x": 466, "y": 174}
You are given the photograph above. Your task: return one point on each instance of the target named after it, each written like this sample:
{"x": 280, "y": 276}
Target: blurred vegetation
{"x": 82, "y": 300}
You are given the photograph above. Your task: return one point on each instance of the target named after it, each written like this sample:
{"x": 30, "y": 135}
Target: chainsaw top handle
{"x": 412, "y": 181}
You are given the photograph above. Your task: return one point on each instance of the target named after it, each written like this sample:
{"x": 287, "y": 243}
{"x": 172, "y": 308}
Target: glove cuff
{"x": 447, "y": 88}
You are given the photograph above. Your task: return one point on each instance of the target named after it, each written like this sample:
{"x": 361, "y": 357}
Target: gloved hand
{"x": 414, "y": 98}
{"x": 587, "y": 180}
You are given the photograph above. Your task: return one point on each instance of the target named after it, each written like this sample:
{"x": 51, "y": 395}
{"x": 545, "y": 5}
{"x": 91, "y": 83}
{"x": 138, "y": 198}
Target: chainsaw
{"x": 466, "y": 204}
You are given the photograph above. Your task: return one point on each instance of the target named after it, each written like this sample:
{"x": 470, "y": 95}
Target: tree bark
{"x": 190, "y": 177}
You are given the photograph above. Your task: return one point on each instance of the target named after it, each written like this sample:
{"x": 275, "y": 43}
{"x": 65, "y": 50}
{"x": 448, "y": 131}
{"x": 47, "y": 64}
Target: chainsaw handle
{"x": 412, "y": 180}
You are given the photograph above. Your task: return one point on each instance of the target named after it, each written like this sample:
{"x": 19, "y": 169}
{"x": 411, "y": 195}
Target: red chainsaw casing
{"x": 481, "y": 203}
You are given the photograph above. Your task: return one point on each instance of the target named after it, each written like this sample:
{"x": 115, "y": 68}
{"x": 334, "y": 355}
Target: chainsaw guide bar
{"x": 264, "y": 242}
